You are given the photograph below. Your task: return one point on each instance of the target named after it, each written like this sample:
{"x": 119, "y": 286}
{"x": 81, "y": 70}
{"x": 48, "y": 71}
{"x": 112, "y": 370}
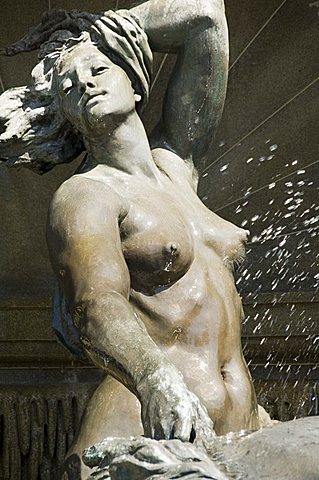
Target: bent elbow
{"x": 94, "y": 313}
{"x": 211, "y": 13}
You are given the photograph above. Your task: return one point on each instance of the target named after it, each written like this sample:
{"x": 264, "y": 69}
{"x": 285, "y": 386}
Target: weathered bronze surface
{"x": 244, "y": 455}
{"x": 146, "y": 269}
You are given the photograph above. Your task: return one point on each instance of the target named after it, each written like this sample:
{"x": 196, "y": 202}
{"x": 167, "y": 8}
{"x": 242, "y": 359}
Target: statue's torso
{"x": 179, "y": 256}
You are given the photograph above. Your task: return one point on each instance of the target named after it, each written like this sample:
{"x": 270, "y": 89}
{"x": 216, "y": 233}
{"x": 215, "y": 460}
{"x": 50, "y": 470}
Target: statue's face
{"x": 95, "y": 93}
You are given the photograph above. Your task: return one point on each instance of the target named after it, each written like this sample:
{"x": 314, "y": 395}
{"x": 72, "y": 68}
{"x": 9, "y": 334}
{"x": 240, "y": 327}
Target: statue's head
{"x": 83, "y": 85}
{"x": 95, "y": 93}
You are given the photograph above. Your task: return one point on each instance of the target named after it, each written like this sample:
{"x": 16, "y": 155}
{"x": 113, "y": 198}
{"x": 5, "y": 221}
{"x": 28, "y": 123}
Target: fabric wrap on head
{"x": 118, "y": 34}
{"x": 121, "y": 38}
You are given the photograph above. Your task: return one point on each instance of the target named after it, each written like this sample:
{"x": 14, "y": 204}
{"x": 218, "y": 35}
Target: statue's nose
{"x": 86, "y": 85}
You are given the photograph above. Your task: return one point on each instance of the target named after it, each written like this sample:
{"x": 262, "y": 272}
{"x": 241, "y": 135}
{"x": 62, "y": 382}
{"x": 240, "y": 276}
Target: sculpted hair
{"x": 34, "y": 133}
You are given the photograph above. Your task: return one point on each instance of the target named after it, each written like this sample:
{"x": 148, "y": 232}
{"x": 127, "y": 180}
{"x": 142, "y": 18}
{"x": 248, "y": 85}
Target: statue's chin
{"x": 102, "y": 116}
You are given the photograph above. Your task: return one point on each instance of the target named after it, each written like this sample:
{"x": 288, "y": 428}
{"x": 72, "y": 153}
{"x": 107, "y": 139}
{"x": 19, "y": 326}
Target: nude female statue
{"x": 145, "y": 267}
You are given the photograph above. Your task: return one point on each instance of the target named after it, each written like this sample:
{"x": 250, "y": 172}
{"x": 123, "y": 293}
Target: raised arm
{"x": 197, "y": 31}
{"x": 85, "y": 248}
{"x": 194, "y": 29}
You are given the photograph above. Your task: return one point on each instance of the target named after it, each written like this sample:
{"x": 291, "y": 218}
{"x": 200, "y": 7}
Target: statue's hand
{"x": 170, "y": 410}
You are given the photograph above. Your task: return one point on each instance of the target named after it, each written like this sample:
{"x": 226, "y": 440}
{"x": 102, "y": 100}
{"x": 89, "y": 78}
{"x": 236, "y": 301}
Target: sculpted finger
{"x": 168, "y": 429}
{"x": 148, "y": 421}
{"x": 163, "y": 428}
{"x": 182, "y": 430}
{"x": 149, "y": 429}
{"x": 204, "y": 419}
{"x": 204, "y": 431}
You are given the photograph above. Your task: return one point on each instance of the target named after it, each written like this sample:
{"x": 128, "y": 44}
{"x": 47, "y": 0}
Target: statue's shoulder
{"x": 84, "y": 193}
{"x": 84, "y": 185}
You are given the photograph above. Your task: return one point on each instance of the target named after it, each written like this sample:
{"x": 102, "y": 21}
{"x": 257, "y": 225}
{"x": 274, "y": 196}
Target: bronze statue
{"x": 144, "y": 268}
{"x": 286, "y": 450}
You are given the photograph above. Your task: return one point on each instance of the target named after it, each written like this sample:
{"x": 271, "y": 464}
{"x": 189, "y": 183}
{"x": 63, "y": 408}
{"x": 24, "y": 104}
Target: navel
{"x": 176, "y": 333}
{"x": 223, "y": 373}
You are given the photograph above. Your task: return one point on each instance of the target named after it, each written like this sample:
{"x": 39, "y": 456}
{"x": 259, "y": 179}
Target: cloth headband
{"x": 121, "y": 38}
{"x": 117, "y": 34}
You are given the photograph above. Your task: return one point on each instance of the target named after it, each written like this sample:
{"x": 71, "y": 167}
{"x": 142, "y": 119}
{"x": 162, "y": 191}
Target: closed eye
{"x": 100, "y": 70}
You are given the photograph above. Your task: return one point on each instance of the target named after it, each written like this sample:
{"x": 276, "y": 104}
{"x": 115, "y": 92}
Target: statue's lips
{"x": 93, "y": 98}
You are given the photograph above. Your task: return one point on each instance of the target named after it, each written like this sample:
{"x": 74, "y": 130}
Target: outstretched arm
{"x": 197, "y": 31}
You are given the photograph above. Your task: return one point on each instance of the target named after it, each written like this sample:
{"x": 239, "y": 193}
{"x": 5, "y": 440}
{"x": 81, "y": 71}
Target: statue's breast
{"x": 157, "y": 245}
